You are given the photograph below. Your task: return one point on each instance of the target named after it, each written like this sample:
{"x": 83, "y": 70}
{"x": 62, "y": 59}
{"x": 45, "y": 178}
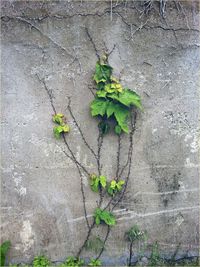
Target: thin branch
{"x": 79, "y": 129}
{"x": 118, "y": 157}
{"x": 81, "y": 176}
{"x": 104, "y": 242}
{"x": 80, "y": 165}
{"x": 86, "y": 239}
{"x": 133, "y": 121}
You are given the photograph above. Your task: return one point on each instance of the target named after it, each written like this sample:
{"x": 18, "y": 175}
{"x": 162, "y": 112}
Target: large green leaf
{"x": 108, "y": 218}
{"x": 110, "y": 109}
{"x": 127, "y": 98}
{"x": 98, "y": 107}
{"x": 121, "y": 113}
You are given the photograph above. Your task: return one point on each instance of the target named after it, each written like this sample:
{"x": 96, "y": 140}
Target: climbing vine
{"x": 112, "y": 102}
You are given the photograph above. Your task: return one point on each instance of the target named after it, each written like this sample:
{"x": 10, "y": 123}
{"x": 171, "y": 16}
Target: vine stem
{"x": 72, "y": 157}
{"x": 118, "y": 157}
{"x": 79, "y": 128}
{"x": 81, "y": 176}
{"x": 133, "y": 123}
{"x": 104, "y": 242}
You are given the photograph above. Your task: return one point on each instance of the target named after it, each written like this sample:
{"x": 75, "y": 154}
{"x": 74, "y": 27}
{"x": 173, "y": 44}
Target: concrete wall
{"x": 42, "y": 208}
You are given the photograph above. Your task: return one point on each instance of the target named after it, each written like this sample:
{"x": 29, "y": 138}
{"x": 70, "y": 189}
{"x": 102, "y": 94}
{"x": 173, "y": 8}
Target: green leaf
{"x": 120, "y": 184}
{"x": 105, "y": 216}
{"x": 72, "y": 261}
{"x": 102, "y": 72}
{"x": 113, "y": 184}
{"x": 97, "y": 220}
{"x": 110, "y": 109}
{"x": 127, "y": 98}
{"x": 102, "y": 181}
{"x": 108, "y": 218}
{"x": 118, "y": 129}
{"x": 121, "y": 113}
{"x": 94, "y": 262}
{"x": 5, "y": 246}
{"x": 104, "y": 127}
{"x": 95, "y": 185}
{"x": 109, "y": 88}
{"x": 101, "y": 93}
{"x": 110, "y": 191}
{"x": 60, "y": 129}
{"x": 65, "y": 128}
{"x": 41, "y": 261}
{"x": 98, "y": 107}
{"x": 58, "y": 118}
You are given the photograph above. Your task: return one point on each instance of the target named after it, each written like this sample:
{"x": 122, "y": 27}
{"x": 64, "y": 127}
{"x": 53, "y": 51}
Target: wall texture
{"x": 46, "y": 49}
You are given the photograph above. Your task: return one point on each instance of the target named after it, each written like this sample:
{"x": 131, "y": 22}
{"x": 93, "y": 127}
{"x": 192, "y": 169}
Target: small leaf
{"x": 97, "y": 220}
{"x": 118, "y": 129}
{"x": 109, "y": 88}
{"x": 103, "y": 181}
{"x": 101, "y": 93}
{"x": 120, "y": 184}
{"x": 57, "y": 131}
{"x": 65, "y": 128}
{"x": 95, "y": 185}
{"x": 58, "y": 118}
{"x": 94, "y": 262}
{"x": 113, "y": 184}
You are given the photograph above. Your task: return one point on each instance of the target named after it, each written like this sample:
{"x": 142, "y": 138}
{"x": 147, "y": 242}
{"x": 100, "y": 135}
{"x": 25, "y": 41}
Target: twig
{"x": 86, "y": 239}
{"x": 118, "y": 157}
{"x": 79, "y": 129}
{"x": 78, "y": 165}
{"x": 104, "y": 242}
{"x": 81, "y": 176}
{"x": 133, "y": 121}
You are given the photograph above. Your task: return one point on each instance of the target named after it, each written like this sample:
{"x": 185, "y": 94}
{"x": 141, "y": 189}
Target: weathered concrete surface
{"x": 42, "y": 209}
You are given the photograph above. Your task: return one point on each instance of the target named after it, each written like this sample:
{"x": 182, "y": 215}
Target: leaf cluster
{"x": 5, "y": 246}
{"x": 61, "y": 126}
{"x": 97, "y": 182}
{"x": 94, "y": 262}
{"x": 104, "y": 216}
{"x": 41, "y": 261}
{"x": 112, "y": 100}
{"x": 135, "y": 234}
{"x": 72, "y": 261}
{"x": 115, "y": 187}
